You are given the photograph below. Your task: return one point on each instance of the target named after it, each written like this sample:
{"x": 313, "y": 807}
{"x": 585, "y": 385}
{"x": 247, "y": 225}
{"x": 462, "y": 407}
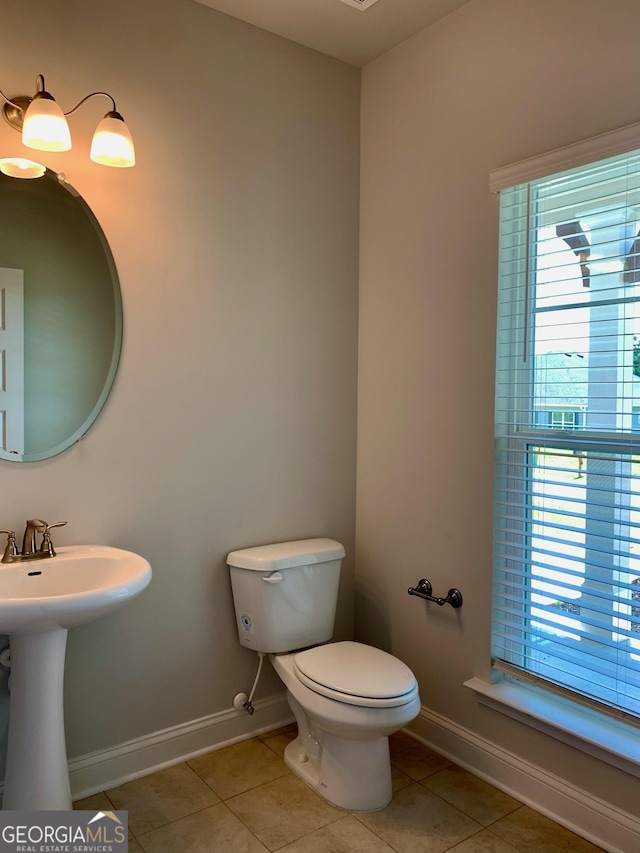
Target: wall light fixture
{"x": 44, "y": 127}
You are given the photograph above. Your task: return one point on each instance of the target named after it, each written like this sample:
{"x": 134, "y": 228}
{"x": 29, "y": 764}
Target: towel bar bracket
{"x": 424, "y": 590}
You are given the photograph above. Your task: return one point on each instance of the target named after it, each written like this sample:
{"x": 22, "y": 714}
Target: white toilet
{"x": 347, "y": 698}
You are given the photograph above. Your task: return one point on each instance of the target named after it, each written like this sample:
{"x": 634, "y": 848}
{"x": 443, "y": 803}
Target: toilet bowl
{"x": 342, "y": 747}
{"x": 346, "y": 697}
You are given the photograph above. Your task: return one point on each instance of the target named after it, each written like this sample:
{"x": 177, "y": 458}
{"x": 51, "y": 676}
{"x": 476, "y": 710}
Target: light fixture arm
{"x": 9, "y": 101}
{"x": 93, "y": 94}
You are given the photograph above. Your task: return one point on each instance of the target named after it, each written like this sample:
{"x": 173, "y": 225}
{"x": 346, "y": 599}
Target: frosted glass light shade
{"x": 18, "y": 167}
{"x": 45, "y": 126}
{"x": 112, "y": 144}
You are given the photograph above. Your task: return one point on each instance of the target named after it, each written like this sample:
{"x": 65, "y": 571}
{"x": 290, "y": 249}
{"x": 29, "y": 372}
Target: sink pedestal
{"x": 39, "y": 602}
{"x": 37, "y": 775}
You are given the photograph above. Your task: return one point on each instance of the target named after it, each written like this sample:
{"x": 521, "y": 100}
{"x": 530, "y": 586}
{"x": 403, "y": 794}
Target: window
{"x": 567, "y": 487}
{"x": 564, "y": 420}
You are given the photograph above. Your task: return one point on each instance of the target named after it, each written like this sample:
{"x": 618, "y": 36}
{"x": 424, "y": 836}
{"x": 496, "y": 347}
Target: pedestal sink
{"x": 39, "y": 601}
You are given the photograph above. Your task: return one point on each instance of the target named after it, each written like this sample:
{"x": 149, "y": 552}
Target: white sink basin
{"x": 79, "y": 584}
{"x": 39, "y": 601}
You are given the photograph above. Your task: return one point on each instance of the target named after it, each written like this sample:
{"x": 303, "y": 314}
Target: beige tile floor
{"x": 243, "y": 799}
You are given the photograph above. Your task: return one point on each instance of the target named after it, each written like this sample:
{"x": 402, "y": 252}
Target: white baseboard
{"x": 97, "y": 771}
{"x": 596, "y": 820}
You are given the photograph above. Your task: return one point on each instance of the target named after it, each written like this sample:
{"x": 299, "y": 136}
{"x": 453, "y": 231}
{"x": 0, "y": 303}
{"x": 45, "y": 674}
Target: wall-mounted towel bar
{"x": 423, "y": 590}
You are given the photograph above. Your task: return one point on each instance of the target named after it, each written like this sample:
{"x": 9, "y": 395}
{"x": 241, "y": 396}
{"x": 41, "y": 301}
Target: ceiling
{"x": 354, "y": 35}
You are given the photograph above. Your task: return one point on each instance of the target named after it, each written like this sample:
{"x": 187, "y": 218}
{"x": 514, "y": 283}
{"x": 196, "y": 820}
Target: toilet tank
{"x": 285, "y": 594}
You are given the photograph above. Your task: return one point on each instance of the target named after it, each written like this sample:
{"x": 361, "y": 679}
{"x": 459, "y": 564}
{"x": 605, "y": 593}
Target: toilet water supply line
{"x": 241, "y": 700}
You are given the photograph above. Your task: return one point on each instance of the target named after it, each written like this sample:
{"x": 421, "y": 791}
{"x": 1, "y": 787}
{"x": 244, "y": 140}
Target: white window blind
{"x": 566, "y": 609}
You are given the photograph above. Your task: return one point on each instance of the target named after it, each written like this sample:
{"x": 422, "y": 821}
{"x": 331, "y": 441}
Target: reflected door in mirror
{"x": 12, "y": 361}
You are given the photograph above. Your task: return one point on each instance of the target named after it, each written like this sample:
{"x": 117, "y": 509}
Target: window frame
{"x": 580, "y": 154}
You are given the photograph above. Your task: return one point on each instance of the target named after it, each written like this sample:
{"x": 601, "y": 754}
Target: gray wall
{"x": 493, "y": 83}
{"x": 232, "y": 420}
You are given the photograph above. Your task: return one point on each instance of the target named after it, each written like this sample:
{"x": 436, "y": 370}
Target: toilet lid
{"x": 356, "y": 671}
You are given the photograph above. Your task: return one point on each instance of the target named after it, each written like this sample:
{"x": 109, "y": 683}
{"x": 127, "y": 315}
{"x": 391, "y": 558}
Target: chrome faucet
{"x": 29, "y": 548}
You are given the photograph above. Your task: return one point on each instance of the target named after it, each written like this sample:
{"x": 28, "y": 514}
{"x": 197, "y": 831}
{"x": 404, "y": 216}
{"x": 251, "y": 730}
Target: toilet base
{"x": 354, "y": 775}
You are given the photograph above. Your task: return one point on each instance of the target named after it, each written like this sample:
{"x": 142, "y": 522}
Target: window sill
{"x": 609, "y": 740}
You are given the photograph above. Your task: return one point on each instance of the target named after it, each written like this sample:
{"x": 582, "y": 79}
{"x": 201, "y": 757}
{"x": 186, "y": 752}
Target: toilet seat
{"x": 356, "y": 674}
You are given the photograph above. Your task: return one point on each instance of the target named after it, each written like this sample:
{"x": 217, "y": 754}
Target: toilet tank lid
{"x": 286, "y": 555}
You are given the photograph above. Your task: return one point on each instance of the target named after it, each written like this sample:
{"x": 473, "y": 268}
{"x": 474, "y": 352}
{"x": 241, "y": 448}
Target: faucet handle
{"x": 47, "y": 544}
{"x": 11, "y": 548}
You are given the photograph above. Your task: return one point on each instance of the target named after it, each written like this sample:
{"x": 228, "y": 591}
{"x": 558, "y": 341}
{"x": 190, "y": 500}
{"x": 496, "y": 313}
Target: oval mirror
{"x": 60, "y": 317}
